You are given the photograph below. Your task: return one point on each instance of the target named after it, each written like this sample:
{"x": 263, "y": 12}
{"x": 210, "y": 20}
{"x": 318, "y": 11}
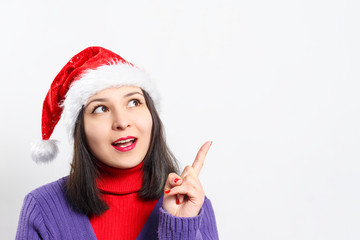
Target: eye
{"x": 134, "y": 103}
{"x": 100, "y": 109}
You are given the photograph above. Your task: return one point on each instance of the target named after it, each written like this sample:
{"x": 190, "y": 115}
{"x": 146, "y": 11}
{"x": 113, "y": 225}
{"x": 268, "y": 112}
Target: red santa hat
{"x": 88, "y": 72}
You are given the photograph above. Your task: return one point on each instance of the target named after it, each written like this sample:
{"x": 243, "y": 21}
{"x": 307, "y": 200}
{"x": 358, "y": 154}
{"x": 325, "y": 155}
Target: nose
{"x": 120, "y": 120}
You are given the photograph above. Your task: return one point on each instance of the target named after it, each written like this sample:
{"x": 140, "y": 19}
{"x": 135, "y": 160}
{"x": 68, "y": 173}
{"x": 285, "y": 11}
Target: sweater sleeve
{"x": 201, "y": 227}
{"x": 31, "y": 223}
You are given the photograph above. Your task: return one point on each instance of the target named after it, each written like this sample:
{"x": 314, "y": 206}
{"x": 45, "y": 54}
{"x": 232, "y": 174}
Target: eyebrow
{"x": 133, "y": 93}
{"x": 105, "y": 99}
{"x": 96, "y": 100}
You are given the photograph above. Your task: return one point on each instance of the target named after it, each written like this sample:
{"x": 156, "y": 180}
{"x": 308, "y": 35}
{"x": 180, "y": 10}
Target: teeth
{"x": 125, "y": 141}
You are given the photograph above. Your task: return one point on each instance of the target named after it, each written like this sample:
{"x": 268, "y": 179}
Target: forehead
{"x": 115, "y": 92}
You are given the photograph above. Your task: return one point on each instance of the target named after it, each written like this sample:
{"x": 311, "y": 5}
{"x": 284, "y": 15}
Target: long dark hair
{"x": 81, "y": 189}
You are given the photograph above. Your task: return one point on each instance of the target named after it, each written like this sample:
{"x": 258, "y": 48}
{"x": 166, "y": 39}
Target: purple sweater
{"x": 46, "y": 214}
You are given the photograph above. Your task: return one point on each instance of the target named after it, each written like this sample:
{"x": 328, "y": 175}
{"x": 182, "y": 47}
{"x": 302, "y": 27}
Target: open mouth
{"x": 125, "y": 144}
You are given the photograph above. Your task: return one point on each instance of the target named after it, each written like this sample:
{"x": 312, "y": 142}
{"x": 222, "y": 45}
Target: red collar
{"x": 120, "y": 181}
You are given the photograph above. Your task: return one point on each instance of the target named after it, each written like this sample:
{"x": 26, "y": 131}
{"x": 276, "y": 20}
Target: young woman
{"x": 123, "y": 182}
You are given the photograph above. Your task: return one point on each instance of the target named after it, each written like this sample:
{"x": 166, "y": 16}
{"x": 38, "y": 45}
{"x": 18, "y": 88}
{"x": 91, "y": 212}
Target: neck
{"x": 120, "y": 181}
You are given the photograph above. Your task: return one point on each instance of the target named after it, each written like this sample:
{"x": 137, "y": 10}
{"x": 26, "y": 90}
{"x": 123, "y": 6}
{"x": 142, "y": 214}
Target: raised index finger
{"x": 200, "y": 157}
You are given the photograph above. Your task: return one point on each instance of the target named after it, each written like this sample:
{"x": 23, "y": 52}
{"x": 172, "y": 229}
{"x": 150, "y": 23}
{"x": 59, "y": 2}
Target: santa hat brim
{"x": 96, "y": 80}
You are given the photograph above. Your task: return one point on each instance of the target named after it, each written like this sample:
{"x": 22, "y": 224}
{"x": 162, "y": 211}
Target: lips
{"x": 125, "y": 144}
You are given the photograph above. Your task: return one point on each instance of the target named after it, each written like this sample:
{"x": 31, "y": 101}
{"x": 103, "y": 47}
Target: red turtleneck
{"x": 127, "y": 212}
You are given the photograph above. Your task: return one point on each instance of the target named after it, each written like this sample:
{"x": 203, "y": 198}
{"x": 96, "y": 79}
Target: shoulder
{"x": 58, "y": 185}
{"x": 40, "y": 210}
{"x": 48, "y": 211}
{"x": 48, "y": 199}
{"x": 51, "y": 192}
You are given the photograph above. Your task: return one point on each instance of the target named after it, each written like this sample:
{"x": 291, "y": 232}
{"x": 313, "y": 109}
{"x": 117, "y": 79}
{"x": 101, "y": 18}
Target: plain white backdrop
{"x": 274, "y": 84}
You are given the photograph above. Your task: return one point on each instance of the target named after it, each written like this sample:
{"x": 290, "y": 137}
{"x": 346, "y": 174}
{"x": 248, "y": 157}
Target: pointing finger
{"x": 200, "y": 157}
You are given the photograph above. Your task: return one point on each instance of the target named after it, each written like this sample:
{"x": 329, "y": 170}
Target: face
{"x": 118, "y": 126}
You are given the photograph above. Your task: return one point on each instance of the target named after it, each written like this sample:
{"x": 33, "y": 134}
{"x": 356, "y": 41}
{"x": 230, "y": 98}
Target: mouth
{"x": 125, "y": 144}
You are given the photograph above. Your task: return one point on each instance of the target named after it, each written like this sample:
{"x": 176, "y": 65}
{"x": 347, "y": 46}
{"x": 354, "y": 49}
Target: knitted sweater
{"x": 46, "y": 214}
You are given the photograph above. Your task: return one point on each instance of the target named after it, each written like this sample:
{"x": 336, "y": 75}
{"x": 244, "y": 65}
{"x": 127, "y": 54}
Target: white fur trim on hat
{"x": 96, "y": 80}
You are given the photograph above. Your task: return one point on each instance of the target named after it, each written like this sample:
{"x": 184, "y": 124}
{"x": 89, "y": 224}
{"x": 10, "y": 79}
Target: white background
{"x": 275, "y": 85}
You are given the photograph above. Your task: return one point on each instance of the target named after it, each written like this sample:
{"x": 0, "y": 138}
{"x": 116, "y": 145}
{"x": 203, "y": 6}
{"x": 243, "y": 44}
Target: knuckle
{"x": 190, "y": 179}
{"x": 187, "y": 168}
{"x": 192, "y": 172}
{"x": 171, "y": 175}
{"x": 186, "y": 178}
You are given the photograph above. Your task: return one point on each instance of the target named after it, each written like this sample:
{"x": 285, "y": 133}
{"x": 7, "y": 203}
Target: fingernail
{"x": 177, "y": 201}
{"x": 168, "y": 191}
{"x": 211, "y": 143}
{"x": 176, "y": 180}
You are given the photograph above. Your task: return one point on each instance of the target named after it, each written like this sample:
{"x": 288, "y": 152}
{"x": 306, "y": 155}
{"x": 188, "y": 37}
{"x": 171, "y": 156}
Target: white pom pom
{"x": 44, "y": 151}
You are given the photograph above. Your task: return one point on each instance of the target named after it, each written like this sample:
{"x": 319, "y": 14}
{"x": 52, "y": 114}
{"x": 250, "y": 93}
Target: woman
{"x": 121, "y": 166}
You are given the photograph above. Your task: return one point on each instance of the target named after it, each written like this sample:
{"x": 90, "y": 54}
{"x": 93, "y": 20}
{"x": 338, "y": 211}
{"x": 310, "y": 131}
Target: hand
{"x": 184, "y": 195}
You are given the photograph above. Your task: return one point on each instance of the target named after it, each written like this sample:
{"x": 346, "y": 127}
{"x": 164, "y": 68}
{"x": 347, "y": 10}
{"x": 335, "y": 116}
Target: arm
{"x": 201, "y": 227}
{"x": 31, "y": 224}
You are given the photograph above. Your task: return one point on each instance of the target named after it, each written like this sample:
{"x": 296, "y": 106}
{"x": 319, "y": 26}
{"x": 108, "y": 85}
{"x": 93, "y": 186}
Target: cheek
{"x": 93, "y": 133}
{"x": 147, "y": 124}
